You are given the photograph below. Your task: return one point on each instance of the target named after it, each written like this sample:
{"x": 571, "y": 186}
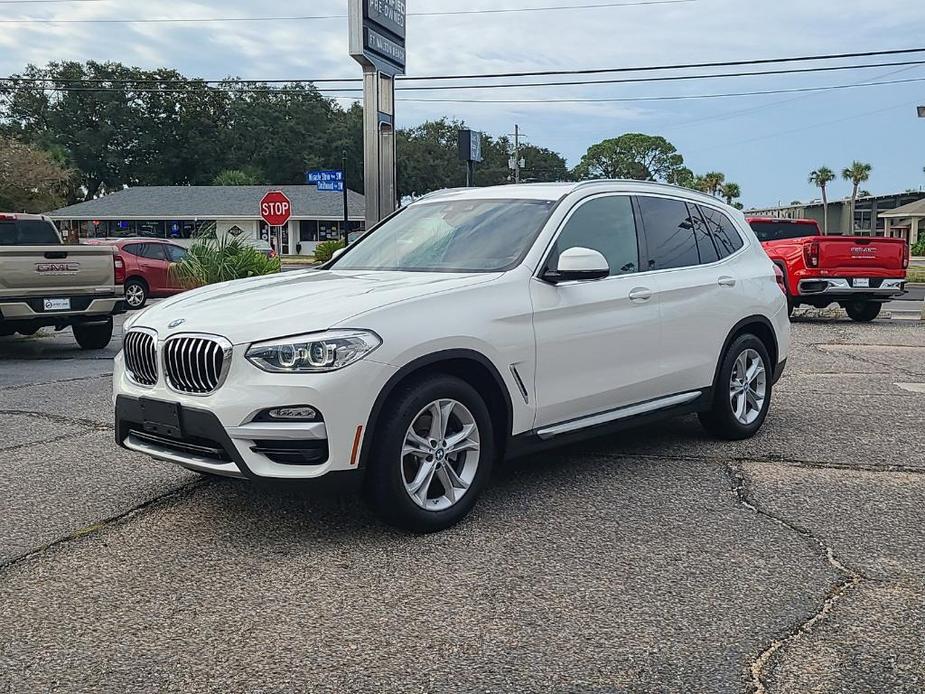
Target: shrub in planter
{"x": 325, "y": 249}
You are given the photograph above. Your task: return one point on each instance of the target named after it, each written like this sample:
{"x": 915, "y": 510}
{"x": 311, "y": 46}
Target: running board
{"x": 614, "y": 415}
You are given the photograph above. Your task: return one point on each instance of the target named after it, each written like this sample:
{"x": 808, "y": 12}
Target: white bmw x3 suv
{"x": 472, "y": 325}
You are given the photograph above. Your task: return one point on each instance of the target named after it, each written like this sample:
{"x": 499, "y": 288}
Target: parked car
{"x": 44, "y": 283}
{"x": 147, "y": 268}
{"x": 859, "y": 273}
{"x": 474, "y": 324}
{"x": 264, "y": 247}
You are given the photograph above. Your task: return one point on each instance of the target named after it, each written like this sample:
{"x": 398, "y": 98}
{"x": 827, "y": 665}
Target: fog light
{"x": 293, "y": 413}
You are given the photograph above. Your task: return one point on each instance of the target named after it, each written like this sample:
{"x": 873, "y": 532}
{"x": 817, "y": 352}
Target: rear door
{"x": 687, "y": 250}
{"x": 152, "y": 261}
{"x": 597, "y": 341}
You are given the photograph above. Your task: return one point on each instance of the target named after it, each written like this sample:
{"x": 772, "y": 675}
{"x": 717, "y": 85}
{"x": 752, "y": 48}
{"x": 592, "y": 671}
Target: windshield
{"x": 453, "y": 236}
{"x": 778, "y": 231}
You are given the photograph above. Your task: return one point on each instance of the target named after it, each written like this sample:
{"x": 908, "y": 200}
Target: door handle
{"x": 725, "y": 281}
{"x": 640, "y": 294}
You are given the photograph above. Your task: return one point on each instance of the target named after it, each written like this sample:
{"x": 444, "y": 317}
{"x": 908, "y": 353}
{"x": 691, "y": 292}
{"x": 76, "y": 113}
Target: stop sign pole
{"x": 377, "y": 42}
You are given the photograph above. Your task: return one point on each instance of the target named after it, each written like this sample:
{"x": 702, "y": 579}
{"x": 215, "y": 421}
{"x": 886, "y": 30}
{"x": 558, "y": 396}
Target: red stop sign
{"x": 275, "y": 208}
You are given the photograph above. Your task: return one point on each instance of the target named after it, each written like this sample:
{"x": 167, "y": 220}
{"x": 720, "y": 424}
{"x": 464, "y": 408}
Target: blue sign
{"x": 331, "y": 181}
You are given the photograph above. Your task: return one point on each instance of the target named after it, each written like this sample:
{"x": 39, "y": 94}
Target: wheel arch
{"x": 761, "y": 328}
{"x": 140, "y": 279}
{"x": 470, "y": 365}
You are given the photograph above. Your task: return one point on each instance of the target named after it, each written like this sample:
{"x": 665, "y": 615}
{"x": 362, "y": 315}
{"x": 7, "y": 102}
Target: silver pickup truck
{"x": 46, "y": 283}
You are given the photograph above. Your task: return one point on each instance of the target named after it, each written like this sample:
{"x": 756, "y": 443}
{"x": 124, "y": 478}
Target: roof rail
{"x": 438, "y": 192}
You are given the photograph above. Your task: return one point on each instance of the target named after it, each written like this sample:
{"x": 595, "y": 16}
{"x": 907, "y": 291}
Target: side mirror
{"x": 337, "y": 253}
{"x": 578, "y": 264}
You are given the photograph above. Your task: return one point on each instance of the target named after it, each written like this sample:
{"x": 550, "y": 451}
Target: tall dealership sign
{"x": 377, "y": 42}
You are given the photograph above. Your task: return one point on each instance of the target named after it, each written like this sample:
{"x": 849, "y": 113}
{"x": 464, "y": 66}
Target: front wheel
{"x": 742, "y": 392}
{"x": 93, "y": 335}
{"x": 433, "y": 452}
{"x": 862, "y": 311}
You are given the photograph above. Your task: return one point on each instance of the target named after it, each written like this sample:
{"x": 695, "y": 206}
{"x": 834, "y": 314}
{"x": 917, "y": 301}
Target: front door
{"x": 598, "y": 342}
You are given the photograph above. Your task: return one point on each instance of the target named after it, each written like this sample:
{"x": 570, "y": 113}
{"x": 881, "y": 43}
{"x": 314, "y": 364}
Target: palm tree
{"x": 713, "y": 181}
{"x": 731, "y": 191}
{"x": 822, "y": 177}
{"x": 857, "y": 173}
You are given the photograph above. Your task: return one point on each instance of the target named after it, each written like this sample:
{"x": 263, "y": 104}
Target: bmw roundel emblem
{"x": 175, "y": 323}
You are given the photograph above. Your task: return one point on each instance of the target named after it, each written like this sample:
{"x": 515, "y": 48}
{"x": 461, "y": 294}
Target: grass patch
{"x": 916, "y": 273}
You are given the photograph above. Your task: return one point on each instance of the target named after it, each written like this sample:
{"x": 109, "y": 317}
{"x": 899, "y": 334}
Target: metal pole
{"x": 516, "y": 153}
{"x": 346, "y": 215}
{"x": 371, "y": 144}
{"x": 470, "y": 174}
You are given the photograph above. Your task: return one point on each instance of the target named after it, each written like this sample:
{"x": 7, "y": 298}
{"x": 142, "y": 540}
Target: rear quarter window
{"x": 28, "y": 232}
{"x": 723, "y": 231}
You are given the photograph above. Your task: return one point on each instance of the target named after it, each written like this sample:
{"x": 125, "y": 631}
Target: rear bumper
{"x": 30, "y": 309}
{"x": 843, "y": 288}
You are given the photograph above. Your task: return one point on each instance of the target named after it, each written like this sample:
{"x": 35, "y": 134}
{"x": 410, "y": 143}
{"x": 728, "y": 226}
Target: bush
{"x": 919, "y": 247}
{"x": 210, "y": 260}
{"x": 325, "y": 249}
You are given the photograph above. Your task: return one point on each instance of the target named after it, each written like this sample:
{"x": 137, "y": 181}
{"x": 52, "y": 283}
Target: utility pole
{"x": 515, "y": 162}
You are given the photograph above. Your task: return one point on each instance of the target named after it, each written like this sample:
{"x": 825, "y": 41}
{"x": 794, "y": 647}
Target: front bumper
{"x": 843, "y": 288}
{"x": 218, "y": 435}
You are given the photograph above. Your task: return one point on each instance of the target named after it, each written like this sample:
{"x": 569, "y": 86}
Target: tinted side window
{"x": 723, "y": 231}
{"x": 174, "y": 253}
{"x": 133, "y": 248}
{"x": 606, "y": 225}
{"x": 154, "y": 251}
{"x": 705, "y": 243}
{"x": 669, "y": 233}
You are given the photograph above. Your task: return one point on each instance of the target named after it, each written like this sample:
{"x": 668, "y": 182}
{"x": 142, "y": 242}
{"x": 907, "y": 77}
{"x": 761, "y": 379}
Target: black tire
{"x": 862, "y": 311}
{"x": 136, "y": 294}
{"x": 93, "y": 335}
{"x": 720, "y": 420}
{"x": 385, "y": 484}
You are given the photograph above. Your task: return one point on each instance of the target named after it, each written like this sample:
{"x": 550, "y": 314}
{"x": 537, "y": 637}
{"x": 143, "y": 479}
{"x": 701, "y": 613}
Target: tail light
{"x": 905, "y": 255}
{"x": 811, "y": 253}
{"x": 779, "y": 276}
{"x": 118, "y": 269}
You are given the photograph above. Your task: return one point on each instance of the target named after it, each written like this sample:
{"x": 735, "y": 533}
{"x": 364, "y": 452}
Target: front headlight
{"x": 313, "y": 353}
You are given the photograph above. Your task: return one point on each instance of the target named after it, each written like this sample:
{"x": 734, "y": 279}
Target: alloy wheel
{"x": 134, "y": 295}
{"x": 748, "y": 387}
{"x": 440, "y": 454}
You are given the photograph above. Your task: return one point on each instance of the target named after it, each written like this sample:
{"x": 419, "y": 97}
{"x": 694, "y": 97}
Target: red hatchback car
{"x": 147, "y": 263}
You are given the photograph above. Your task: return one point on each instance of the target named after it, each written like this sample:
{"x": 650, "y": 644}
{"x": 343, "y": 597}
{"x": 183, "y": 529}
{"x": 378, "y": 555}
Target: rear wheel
{"x": 433, "y": 453}
{"x": 862, "y": 311}
{"x": 93, "y": 335}
{"x": 742, "y": 392}
{"x": 136, "y": 294}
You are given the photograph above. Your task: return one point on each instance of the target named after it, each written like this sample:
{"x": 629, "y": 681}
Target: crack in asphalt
{"x": 76, "y": 379}
{"x": 59, "y": 419}
{"x": 851, "y": 578}
{"x": 819, "y": 348}
{"x": 174, "y": 494}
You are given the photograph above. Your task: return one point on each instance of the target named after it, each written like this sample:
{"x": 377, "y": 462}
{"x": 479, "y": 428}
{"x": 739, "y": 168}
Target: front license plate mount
{"x": 161, "y": 418}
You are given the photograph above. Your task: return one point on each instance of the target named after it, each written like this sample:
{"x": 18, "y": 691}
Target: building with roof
{"x": 869, "y": 213}
{"x": 180, "y": 212}
{"x": 907, "y": 221}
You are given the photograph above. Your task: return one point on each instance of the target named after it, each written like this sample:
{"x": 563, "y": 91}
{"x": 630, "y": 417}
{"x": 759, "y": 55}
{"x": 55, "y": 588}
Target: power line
{"x": 535, "y": 73}
{"x": 341, "y": 90}
{"x": 683, "y": 97}
{"x": 680, "y": 97}
{"x": 204, "y": 20}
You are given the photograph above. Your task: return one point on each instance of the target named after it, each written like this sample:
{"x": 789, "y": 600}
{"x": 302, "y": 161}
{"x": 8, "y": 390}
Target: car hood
{"x": 289, "y": 303}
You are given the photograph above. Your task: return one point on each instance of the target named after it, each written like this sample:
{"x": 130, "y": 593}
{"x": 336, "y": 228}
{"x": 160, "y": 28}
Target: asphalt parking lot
{"x": 656, "y": 561}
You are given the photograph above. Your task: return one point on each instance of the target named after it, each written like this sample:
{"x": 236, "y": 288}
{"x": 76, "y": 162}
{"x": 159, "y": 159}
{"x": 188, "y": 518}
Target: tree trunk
{"x": 825, "y": 213}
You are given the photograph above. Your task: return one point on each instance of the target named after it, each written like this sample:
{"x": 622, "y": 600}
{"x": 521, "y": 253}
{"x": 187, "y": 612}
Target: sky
{"x": 767, "y": 143}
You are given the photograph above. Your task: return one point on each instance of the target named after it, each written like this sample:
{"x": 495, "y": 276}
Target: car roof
{"x": 782, "y": 220}
{"x": 112, "y": 241}
{"x": 557, "y": 191}
{"x": 22, "y": 215}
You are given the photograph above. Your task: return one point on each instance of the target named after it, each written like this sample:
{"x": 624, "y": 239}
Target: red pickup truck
{"x": 859, "y": 273}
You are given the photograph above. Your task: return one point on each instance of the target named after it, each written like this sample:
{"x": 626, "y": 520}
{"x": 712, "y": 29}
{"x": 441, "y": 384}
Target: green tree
{"x": 821, "y": 178}
{"x": 731, "y": 191}
{"x": 856, "y": 174}
{"x": 682, "y": 176}
{"x": 31, "y": 179}
{"x": 713, "y": 182}
{"x": 238, "y": 177}
{"x": 634, "y": 156}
